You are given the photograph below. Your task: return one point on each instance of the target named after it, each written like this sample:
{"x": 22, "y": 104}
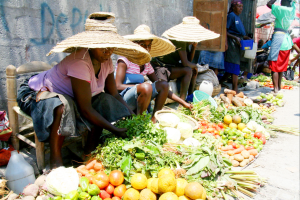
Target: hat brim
{"x": 104, "y": 39}
{"x": 189, "y": 33}
{"x": 159, "y": 47}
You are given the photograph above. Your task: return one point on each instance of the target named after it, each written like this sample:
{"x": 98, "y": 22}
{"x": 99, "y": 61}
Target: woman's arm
{"x": 298, "y": 55}
{"x": 237, "y": 39}
{"x": 192, "y": 53}
{"x": 270, "y": 3}
{"x": 110, "y": 88}
{"x": 83, "y": 97}
{"x": 120, "y": 76}
{"x": 184, "y": 59}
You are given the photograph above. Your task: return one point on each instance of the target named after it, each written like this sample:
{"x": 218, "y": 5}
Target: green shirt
{"x": 174, "y": 58}
{"x": 284, "y": 17}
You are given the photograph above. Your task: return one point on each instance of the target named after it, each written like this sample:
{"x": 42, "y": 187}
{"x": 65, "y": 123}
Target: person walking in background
{"x": 235, "y": 33}
{"x": 281, "y": 40}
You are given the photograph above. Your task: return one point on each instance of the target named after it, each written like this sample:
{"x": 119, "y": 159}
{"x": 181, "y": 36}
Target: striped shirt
{"x": 133, "y": 68}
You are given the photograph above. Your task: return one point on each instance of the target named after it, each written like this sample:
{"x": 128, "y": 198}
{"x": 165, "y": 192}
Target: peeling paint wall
{"x": 30, "y": 28}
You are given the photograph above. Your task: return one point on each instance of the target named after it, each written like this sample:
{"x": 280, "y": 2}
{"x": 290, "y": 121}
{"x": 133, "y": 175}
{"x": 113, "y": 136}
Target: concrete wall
{"x": 30, "y": 28}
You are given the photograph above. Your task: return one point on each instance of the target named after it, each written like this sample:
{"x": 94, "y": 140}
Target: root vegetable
{"x": 230, "y": 96}
{"x": 230, "y": 153}
{"x": 227, "y": 91}
{"x": 98, "y": 166}
{"x": 239, "y": 150}
{"x": 235, "y": 163}
{"x": 82, "y": 171}
{"x": 253, "y": 152}
{"x": 238, "y": 157}
{"x": 251, "y": 157}
{"x": 226, "y": 156}
{"x": 236, "y": 102}
{"x": 244, "y": 162}
{"x": 91, "y": 165}
{"x": 231, "y": 158}
{"x": 225, "y": 99}
{"x": 241, "y": 95}
{"x": 229, "y": 147}
{"x": 245, "y": 154}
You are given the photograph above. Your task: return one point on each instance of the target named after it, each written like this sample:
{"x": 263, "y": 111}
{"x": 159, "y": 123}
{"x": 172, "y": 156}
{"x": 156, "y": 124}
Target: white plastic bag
{"x": 208, "y": 76}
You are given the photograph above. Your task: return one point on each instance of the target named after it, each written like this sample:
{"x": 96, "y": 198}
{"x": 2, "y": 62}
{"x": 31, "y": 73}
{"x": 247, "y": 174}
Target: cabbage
{"x": 248, "y": 102}
{"x": 252, "y": 125}
{"x": 191, "y": 142}
{"x": 169, "y": 120}
{"x": 173, "y": 134}
{"x": 255, "y": 105}
{"x": 185, "y": 129}
{"x": 61, "y": 181}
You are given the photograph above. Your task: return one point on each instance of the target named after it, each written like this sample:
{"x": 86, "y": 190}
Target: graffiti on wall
{"x": 51, "y": 23}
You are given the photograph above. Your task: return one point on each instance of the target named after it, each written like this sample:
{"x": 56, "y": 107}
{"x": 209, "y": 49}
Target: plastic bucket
{"x": 246, "y": 44}
{"x": 199, "y": 96}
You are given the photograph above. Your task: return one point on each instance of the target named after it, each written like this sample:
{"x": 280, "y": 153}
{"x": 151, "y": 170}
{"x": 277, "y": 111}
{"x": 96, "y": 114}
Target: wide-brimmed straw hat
{"x": 101, "y": 33}
{"x": 189, "y": 31}
{"x": 159, "y": 47}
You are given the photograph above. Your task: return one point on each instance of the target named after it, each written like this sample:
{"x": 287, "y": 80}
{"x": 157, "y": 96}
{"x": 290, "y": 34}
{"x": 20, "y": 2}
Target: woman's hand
{"x": 194, "y": 44}
{"x": 238, "y": 41}
{"x": 188, "y": 105}
{"x": 120, "y": 132}
{"x": 246, "y": 38}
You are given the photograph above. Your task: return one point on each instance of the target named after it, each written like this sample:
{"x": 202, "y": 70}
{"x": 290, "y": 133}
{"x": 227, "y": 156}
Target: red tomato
{"x": 103, "y": 194}
{"x": 263, "y": 139}
{"x": 203, "y": 130}
{"x": 218, "y": 128}
{"x": 234, "y": 145}
{"x": 221, "y": 125}
{"x": 257, "y": 134}
{"x": 249, "y": 148}
{"x": 211, "y": 130}
{"x": 110, "y": 189}
{"x": 216, "y": 132}
{"x": 204, "y": 123}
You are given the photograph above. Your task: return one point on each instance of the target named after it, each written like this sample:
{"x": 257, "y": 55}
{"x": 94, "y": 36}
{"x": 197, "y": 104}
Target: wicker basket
{"x": 216, "y": 90}
{"x": 267, "y": 70}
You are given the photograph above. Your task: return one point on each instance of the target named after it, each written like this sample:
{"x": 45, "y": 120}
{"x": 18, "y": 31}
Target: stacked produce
{"x": 266, "y": 81}
{"x": 269, "y": 100}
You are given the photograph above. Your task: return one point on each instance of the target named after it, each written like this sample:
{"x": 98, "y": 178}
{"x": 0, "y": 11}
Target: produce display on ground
{"x": 266, "y": 81}
{"x": 172, "y": 159}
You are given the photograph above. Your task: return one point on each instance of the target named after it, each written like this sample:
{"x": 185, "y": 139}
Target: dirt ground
{"x": 279, "y": 160}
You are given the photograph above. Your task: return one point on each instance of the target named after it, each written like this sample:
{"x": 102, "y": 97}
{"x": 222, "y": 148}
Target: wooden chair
{"x": 14, "y": 110}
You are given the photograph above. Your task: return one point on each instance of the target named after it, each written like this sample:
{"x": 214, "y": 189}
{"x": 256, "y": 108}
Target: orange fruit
{"x": 101, "y": 180}
{"x": 227, "y": 119}
{"x": 116, "y": 177}
{"x": 236, "y": 119}
{"x": 132, "y": 194}
{"x": 233, "y": 125}
{"x": 139, "y": 181}
{"x": 120, "y": 191}
{"x": 193, "y": 190}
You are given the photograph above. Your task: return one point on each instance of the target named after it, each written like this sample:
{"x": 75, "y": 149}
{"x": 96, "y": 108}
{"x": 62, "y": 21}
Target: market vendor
{"x": 178, "y": 64}
{"x": 130, "y": 76}
{"x": 235, "y": 33}
{"x": 296, "y": 59}
{"x": 69, "y": 99}
{"x": 281, "y": 40}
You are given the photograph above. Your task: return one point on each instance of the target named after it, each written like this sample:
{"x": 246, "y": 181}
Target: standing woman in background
{"x": 235, "y": 33}
{"x": 281, "y": 40}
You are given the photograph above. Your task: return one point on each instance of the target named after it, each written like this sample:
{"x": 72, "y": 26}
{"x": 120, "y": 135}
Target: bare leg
{"x": 92, "y": 140}
{"x": 186, "y": 74}
{"x": 280, "y": 74}
{"x": 193, "y": 81}
{"x": 275, "y": 81}
{"x": 216, "y": 71}
{"x": 162, "y": 88}
{"x": 56, "y": 141}
{"x": 144, "y": 91}
{"x": 235, "y": 82}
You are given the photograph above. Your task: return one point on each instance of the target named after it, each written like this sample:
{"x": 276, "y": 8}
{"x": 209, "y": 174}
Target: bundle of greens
{"x": 201, "y": 110}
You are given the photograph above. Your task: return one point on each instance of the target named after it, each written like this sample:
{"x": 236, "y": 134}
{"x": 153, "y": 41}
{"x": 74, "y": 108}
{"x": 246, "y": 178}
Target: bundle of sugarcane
{"x": 285, "y": 129}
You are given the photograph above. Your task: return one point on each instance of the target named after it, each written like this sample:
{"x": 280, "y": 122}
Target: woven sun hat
{"x": 101, "y": 33}
{"x": 189, "y": 30}
{"x": 159, "y": 47}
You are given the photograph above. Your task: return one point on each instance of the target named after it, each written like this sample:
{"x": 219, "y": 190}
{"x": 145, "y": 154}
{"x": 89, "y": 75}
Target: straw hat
{"x": 159, "y": 47}
{"x": 101, "y": 33}
{"x": 189, "y": 31}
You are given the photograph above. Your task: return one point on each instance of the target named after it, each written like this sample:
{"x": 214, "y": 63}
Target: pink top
{"x": 133, "y": 68}
{"x": 78, "y": 65}
{"x": 297, "y": 41}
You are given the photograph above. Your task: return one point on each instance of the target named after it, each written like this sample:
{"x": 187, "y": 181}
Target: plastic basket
{"x": 246, "y": 44}
{"x": 199, "y": 96}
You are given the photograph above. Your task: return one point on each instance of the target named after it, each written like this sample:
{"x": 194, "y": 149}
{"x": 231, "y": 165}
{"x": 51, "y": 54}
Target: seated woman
{"x": 69, "y": 99}
{"x": 130, "y": 76}
{"x": 178, "y": 64}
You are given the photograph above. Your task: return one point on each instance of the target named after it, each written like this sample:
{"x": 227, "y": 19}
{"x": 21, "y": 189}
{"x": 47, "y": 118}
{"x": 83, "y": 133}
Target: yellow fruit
{"x": 241, "y": 126}
{"x": 154, "y": 186}
{"x": 146, "y": 194}
{"x": 225, "y": 125}
{"x": 236, "y": 119}
{"x": 180, "y": 185}
{"x": 227, "y": 119}
{"x": 166, "y": 183}
{"x": 193, "y": 190}
{"x": 183, "y": 198}
{"x": 131, "y": 194}
{"x": 232, "y": 125}
{"x": 168, "y": 196}
{"x": 149, "y": 183}
{"x": 203, "y": 197}
{"x": 139, "y": 181}
{"x": 165, "y": 171}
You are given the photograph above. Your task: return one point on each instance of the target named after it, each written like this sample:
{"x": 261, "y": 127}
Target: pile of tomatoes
{"x": 213, "y": 129}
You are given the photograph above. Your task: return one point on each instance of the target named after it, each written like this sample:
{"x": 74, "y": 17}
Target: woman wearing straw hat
{"x": 179, "y": 63}
{"x": 68, "y": 99}
{"x": 130, "y": 76}
{"x": 235, "y": 33}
